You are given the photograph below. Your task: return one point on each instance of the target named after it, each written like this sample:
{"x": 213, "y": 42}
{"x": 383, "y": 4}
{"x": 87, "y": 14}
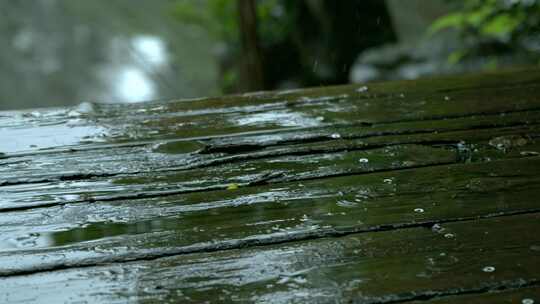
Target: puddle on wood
{"x": 178, "y": 147}
{"x": 46, "y": 137}
{"x": 278, "y": 118}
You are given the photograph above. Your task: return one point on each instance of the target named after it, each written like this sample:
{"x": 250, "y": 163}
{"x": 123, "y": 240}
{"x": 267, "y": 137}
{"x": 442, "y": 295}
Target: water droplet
{"x": 283, "y": 280}
{"x": 160, "y": 108}
{"x": 419, "y": 210}
{"x": 363, "y": 160}
{"x": 346, "y": 204}
{"x": 360, "y": 197}
{"x": 507, "y": 142}
{"x": 449, "y": 236}
{"x": 529, "y": 153}
{"x": 408, "y": 163}
{"x": 335, "y": 135}
{"x": 488, "y": 269}
{"x": 362, "y": 89}
{"x": 527, "y": 301}
{"x": 437, "y": 228}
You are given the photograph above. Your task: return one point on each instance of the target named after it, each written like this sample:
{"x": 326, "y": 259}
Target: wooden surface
{"x": 404, "y": 192}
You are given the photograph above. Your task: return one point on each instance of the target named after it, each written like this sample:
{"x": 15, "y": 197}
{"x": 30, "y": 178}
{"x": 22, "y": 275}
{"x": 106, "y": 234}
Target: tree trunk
{"x": 251, "y": 70}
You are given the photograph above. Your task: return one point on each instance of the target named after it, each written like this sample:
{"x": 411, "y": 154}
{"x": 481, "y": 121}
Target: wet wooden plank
{"x": 255, "y": 169}
{"x": 90, "y": 234}
{"x": 381, "y": 103}
{"x": 379, "y": 267}
{"x": 182, "y": 185}
{"x": 93, "y": 176}
{"x": 181, "y": 153}
{"x": 526, "y": 295}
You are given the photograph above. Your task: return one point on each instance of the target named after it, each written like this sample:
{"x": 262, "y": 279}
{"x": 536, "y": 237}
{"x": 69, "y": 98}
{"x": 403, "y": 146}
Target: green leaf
{"x": 456, "y": 56}
{"x": 502, "y": 25}
{"x": 476, "y": 17}
{"x": 454, "y": 20}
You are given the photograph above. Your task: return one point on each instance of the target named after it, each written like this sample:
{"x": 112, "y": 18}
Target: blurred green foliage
{"x": 502, "y": 25}
{"x": 219, "y": 18}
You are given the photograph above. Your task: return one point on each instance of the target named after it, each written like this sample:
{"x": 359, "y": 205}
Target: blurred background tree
{"x": 288, "y": 43}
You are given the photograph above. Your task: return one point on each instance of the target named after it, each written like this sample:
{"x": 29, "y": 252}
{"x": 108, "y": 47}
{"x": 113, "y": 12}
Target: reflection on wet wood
{"x": 398, "y": 192}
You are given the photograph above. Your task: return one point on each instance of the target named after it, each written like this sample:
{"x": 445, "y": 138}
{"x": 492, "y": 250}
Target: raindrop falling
{"x": 488, "y": 269}
{"x": 363, "y": 160}
{"x": 315, "y": 65}
{"x": 419, "y": 210}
